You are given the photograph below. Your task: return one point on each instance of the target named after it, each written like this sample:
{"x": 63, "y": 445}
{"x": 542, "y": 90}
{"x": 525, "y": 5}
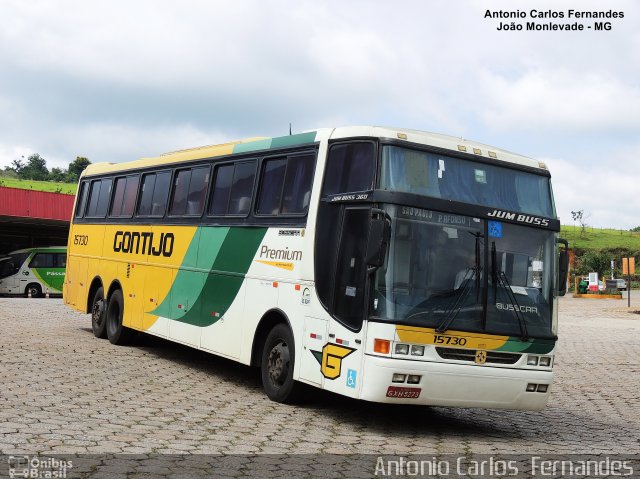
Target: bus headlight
{"x": 532, "y": 360}
{"x": 545, "y": 361}
{"x": 398, "y": 378}
{"x": 417, "y": 350}
{"x": 402, "y": 349}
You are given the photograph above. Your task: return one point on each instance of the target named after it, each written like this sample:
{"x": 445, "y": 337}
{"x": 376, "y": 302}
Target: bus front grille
{"x": 470, "y": 355}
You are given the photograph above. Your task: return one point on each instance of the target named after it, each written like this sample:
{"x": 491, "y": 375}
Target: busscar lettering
{"x": 134, "y": 242}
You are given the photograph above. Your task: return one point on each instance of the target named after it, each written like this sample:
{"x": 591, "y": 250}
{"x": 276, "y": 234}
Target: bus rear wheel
{"x": 276, "y": 365}
{"x": 116, "y": 332}
{"x": 98, "y": 314}
{"x": 34, "y": 290}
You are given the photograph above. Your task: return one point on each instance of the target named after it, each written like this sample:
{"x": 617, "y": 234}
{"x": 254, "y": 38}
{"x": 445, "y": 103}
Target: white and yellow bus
{"x": 383, "y": 264}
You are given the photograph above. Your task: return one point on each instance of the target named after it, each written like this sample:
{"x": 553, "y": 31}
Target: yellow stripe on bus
{"x": 416, "y": 335}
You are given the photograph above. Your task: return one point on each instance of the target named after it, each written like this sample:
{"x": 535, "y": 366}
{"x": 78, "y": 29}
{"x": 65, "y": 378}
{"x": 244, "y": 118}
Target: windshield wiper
{"x": 452, "y": 311}
{"x": 500, "y": 276}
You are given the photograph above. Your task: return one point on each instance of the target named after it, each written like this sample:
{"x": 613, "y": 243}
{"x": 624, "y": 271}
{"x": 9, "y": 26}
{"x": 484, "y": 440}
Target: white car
{"x": 621, "y": 284}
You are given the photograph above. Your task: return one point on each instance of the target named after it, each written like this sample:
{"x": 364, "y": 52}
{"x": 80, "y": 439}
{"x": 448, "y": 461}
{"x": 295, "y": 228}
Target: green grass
{"x": 67, "y": 188}
{"x": 595, "y": 238}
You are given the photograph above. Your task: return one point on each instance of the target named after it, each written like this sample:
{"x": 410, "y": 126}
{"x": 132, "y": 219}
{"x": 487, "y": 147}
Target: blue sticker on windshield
{"x": 495, "y": 229}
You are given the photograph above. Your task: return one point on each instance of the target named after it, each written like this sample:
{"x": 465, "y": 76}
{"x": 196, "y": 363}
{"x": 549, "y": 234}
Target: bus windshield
{"x": 440, "y": 266}
{"x": 11, "y": 264}
{"x": 450, "y": 178}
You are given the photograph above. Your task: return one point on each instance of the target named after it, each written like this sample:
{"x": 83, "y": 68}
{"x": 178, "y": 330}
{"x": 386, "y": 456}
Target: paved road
{"x": 64, "y": 391}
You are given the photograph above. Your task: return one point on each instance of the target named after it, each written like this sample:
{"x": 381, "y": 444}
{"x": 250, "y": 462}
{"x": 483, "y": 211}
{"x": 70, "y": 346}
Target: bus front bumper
{"x": 454, "y": 384}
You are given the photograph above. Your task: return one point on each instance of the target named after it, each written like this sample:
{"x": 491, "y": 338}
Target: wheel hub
{"x": 279, "y": 363}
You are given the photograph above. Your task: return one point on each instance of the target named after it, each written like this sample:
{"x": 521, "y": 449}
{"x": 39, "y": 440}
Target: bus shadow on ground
{"x": 395, "y": 419}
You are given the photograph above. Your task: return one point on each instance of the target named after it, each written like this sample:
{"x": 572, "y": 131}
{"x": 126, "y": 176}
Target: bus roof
{"x": 265, "y": 143}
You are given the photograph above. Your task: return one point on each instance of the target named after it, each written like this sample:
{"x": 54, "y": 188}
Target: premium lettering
{"x": 134, "y": 242}
{"x": 284, "y": 254}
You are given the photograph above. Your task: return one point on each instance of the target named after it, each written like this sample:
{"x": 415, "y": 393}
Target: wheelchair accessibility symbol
{"x": 352, "y": 377}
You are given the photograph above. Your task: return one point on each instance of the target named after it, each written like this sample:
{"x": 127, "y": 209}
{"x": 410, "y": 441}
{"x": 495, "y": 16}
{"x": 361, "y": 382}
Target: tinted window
{"x": 160, "y": 194}
{"x": 124, "y": 196}
{"x": 155, "y": 188}
{"x": 350, "y": 167}
{"x": 82, "y": 200}
{"x": 60, "y": 260}
{"x": 94, "y": 195}
{"x": 118, "y": 196}
{"x": 273, "y": 173}
{"x": 297, "y": 184}
{"x": 233, "y": 189}
{"x": 148, "y": 182}
{"x": 221, "y": 190}
{"x": 42, "y": 260}
{"x": 99, "y": 198}
{"x": 351, "y": 268}
{"x": 449, "y": 178}
{"x": 286, "y": 185}
{"x": 180, "y": 192}
{"x": 130, "y": 193}
{"x": 189, "y": 191}
{"x": 197, "y": 191}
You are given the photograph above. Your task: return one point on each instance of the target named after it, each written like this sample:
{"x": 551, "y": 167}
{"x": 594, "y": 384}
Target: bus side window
{"x": 42, "y": 260}
{"x": 124, "y": 196}
{"x": 189, "y": 190}
{"x": 99, "y": 198}
{"x": 286, "y": 185}
{"x": 82, "y": 200}
{"x": 350, "y": 167}
{"x": 60, "y": 260}
{"x": 153, "y": 197}
{"x": 233, "y": 188}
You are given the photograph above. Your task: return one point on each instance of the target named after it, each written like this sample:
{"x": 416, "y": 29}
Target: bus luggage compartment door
{"x": 313, "y": 340}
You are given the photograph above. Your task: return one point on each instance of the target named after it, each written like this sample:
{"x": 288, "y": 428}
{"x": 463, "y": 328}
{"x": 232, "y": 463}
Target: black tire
{"x": 116, "y": 332}
{"x": 34, "y": 289}
{"x": 99, "y": 314}
{"x": 278, "y": 358}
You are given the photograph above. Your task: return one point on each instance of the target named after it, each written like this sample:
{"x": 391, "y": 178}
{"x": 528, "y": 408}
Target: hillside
{"x": 66, "y": 188}
{"x": 595, "y": 238}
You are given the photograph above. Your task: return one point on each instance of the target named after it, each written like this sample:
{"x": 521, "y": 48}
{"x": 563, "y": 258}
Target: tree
{"x": 76, "y": 167}
{"x": 35, "y": 169}
{"x": 636, "y": 229}
{"x": 594, "y": 261}
{"x": 17, "y": 166}
{"x": 580, "y": 218}
{"x": 58, "y": 174}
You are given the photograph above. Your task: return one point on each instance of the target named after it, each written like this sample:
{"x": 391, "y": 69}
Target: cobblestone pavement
{"x": 64, "y": 391}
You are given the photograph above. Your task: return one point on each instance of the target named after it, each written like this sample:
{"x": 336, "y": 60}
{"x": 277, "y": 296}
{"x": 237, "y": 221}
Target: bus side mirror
{"x": 379, "y": 235}
{"x": 563, "y": 268}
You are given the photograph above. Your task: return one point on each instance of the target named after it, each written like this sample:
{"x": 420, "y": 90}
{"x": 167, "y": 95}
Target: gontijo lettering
{"x": 135, "y": 242}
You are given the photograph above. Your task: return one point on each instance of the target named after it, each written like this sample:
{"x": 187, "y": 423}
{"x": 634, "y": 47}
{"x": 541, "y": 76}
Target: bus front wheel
{"x": 98, "y": 316}
{"x": 34, "y": 290}
{"x": 116, "y": 332}
{"x": 277, "y": 365}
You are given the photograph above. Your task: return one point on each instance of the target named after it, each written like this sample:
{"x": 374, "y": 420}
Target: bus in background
{"x": 383, "y": 264}
{"x": 33, "y": 271}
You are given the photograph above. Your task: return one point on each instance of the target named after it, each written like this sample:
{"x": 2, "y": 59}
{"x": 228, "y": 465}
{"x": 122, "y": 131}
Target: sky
{"x": 115, "y": 81}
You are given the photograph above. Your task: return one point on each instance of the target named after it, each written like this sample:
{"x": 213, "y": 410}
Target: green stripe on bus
{"x": 534, "y": 346}
{"x": 202, "y": 298}
{"x": 51, "y": 278}
{"x": 277, "y": 142}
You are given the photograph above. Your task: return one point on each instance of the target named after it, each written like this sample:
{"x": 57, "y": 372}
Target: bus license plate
{"x": 403, "y": 393}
